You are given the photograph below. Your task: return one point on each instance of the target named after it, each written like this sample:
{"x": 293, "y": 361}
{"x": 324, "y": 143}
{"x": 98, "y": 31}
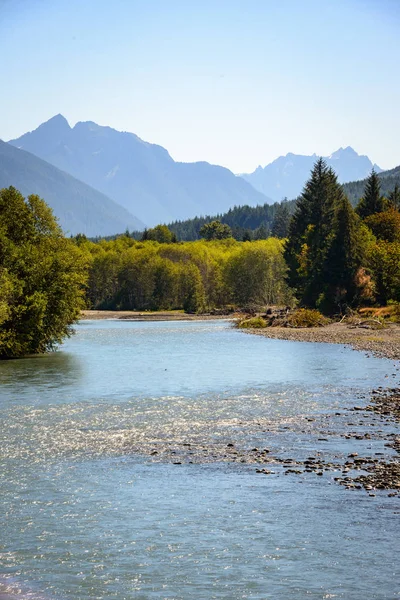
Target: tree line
{"x": 246, "y": 223}
{"x": 196, "y": 276}
{"x": 338, "y": 257}
{"x": 327, "y": 255}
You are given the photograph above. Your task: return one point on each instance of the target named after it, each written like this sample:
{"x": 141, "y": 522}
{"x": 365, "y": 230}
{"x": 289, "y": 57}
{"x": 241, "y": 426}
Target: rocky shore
{"x": 374, "y": 423}
{"x": 383, "y": 342}
{"x": 366, "y": 426}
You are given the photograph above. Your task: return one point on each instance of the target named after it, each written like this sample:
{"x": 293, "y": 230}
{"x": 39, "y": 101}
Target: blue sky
{"x": 235, "y": 83}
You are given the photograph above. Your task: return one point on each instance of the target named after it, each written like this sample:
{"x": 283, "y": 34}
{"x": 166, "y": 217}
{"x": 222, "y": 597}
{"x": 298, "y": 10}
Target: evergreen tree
{"x": 309, "y": 230}
{"x": 280, "y": 225}
{"x": 394, "y": 198}
{"x": 372, "y": 202}
{"x": 261, "y": 233}
{"x": 343, "y": 260}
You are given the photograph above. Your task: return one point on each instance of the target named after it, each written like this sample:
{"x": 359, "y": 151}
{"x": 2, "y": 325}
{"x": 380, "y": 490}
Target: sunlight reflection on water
{"x": 93, "y": 507}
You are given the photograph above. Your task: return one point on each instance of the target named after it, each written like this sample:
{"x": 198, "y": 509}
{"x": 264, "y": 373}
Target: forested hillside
{"x": 389, "y": 179}
{"x": 246, "y": 222}
{"x": 257, "y": 222}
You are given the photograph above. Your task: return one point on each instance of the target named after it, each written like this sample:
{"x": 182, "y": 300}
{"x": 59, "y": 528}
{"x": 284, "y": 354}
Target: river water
{"x": 118, "y": 480}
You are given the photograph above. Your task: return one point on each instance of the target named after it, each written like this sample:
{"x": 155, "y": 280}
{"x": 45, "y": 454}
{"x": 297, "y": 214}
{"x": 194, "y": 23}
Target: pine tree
{"x": 261, "y": 233}
{"x": 309, "y": 231}
{"x": 343, "y": 260}
{"x": 372, "y": 202}
{"x": 394, "y": 198}
{"x": 280, "y": 225}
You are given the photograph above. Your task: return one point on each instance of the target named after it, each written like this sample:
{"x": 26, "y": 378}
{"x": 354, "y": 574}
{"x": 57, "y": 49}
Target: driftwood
{"x": 367, "y": 324}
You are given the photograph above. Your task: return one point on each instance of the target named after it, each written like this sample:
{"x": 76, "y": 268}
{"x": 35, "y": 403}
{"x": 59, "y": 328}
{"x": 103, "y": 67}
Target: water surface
{"x": 93, "y": 506}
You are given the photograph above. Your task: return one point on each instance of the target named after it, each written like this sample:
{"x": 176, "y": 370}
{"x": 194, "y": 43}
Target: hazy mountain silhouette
{"x": 354, "y": 190}
{"x": 250, "y": 218}
{"x": 140, "y": 176}
{"x": 286, "y": 176}
{"x": 78, "y": 207}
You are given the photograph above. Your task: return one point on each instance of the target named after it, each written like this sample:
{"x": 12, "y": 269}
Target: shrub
{"x": 252, "y": 323}
{"x": 390, "y": 313}
{"x": 306, "y": 317}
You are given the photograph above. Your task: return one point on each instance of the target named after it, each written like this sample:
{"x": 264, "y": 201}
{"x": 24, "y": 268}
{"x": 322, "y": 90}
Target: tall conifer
{"x": 372, "y": 202}
{"x": 280, "y": 225}
{"x": 309, "y": 232}
{"x": 343, "y": 260}
{"x": 394, "y": 197}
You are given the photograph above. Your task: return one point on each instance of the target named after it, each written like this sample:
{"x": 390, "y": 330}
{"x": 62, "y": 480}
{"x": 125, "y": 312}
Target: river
{"x": 126, "y": 471}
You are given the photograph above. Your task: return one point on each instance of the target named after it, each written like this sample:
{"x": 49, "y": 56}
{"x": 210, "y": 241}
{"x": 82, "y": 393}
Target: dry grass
{"x": 385, "y": 313}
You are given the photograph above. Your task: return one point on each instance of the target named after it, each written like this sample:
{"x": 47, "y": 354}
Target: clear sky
{"x": 232, "y": 82}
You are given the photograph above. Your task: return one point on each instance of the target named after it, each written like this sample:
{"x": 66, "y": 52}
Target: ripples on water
{"x": 93, "y": 506}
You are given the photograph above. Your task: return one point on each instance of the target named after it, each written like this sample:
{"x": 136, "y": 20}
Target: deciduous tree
{"x": 42, "y": 277}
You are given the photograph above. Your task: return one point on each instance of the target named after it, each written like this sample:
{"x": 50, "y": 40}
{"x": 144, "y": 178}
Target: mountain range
{"x": 78, "y": 207}
{"x": 285, "y": 176}
{"x": 140, "y": 176}
{"x": 243, "y": 219}
{"x": 96, "y": 178}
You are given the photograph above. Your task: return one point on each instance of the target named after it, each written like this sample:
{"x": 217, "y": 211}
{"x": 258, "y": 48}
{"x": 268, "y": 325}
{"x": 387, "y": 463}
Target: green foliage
{"x": 394, "y": 197}
{"x": 344, "y": 257}
{"x": 354, "y": 190}
{"x": 309, "y": 229}
{"x": 305, "y": 317}
{"x": 372, "y": 202}
{"x": 42, "y": 275}
{"x": 160, "y": 234}
{"x": 241, "y": 219}
{"x": 280, "y": 225}
{"x": 215, "y": 231}
{"x": 195, "y": 276}
{"x": 326, "y": 245}
{"x": 255, "y": 273}
{"x": 252, "y": 323}
{"x": 385, "y": 225}
{"x": 384, "y": 261}
{"x": 394, "y": 315}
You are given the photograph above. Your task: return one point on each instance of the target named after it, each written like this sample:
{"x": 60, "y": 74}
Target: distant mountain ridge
{"x": 389, "y": 179}
{"x": 78, "y": 207}
{"x": 286, "y": 176}
{"x": 140, "y": 176}
{"x": 242, "y": 218}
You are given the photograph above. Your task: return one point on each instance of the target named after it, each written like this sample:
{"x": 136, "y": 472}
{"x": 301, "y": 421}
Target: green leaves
{"x": 195, "y": 276}
{"x": 215, "y": 231}
{"x": 42, "y": 277}
{"x": 323, "y": 251}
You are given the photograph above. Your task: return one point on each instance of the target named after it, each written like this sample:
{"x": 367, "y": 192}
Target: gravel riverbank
{"x": 381, "y": 342}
